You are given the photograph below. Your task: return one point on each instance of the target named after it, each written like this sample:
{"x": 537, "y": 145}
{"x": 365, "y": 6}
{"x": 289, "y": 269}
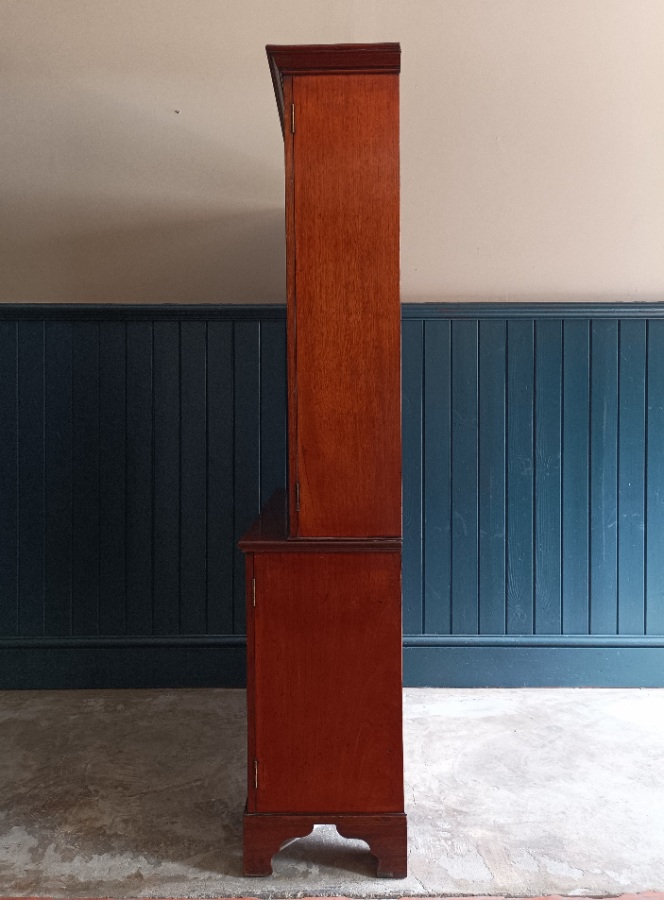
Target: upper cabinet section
{"x": 339, "y": 108}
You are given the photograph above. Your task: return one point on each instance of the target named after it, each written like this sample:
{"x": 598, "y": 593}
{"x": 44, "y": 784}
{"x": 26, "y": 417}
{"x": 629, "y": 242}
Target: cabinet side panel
{"x": 291, "y": 323}
{"x": 346, "y": 202}
{"x": 328, "y": 682}
{"x": 251, "y": 685}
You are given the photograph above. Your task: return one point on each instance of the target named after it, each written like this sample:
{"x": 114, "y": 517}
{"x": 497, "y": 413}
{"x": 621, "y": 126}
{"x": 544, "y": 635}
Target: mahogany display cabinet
{"x": 323, "y": 561}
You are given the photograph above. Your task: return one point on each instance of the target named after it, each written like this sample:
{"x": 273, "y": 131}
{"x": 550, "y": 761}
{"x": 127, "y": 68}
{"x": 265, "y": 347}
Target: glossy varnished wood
{"x": 325, "y": 661}
{"x": 291, "y": 322}
{"x": 264, "y": 835}
{"x": 270, "y": 532}
{"x": 323, "y": 560}
{"x": 347, "y": 452}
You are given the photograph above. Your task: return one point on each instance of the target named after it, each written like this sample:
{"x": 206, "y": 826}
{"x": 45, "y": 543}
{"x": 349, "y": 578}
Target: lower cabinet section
{"x": 326, "y": 683}
{"x": 324, "y": 680}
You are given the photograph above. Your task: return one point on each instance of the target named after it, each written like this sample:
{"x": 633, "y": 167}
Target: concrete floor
{"x": 509, "y": 792}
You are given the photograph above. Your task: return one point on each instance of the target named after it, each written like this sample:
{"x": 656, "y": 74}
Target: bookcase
{"x": 323, "y": 560}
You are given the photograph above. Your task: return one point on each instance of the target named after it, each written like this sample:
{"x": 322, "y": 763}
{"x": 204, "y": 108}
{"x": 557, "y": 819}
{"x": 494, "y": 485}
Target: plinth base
{"x": 386, "y": 835}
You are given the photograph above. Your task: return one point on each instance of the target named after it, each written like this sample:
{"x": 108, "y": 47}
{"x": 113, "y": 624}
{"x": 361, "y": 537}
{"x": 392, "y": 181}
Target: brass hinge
{"x": 256, "y": 774}
{"x": 292, "y": 118}
{"x": 297, "y": 496}
{"x": 253, "y": 591}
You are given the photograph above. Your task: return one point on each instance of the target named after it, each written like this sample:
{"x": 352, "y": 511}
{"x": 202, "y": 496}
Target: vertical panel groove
{"x": 604, "y": 443}
{"x": 631, "y": 477}
{"x": 618, "y": 455}
{"x": 644, "y": 495}
{"x": 85, "y": 506}
{"x": 31, "y": 501}
{"x": 140, "y": 491}
{"x": 58, "y": 478}
{"x": 221, "y": 484}
{"x": 533, "y": 451}
{"x": 234, "y": 573}
{"x": 451, "y": 510}
{"x": 71, "y": 496}
{"x": 646, "y": 479}
{"x": 477, "y": 478}
{"x": 464, "y": 478}
{"x": 152, "y": 483}
{"x": 126, "y": 477}
{"x": 562, "y": 498}
{"x": 574, "y": 476}
{"x": 423, "y": 460}
{"x": 99, "y": 378}
{"x": 43, "y": 437}
{"x": 505, "y": 477}
{"x": 590, "y": 474}
{"x": 18, "y": 488}
{"x": 193, "y": 496}
{"x": 491, "y": 476}
{"x": 168, "y": 465}
{"x": 547, "y": 453}
{"x": 181, "y": 449}
{"x": 561, "y": 495}
{"x": 478, "y": 374}
{"x": 207, "y": 480}
{"x": 9, "y": 536}
{"x": 520, "y": 474}
{"x": 436, "y": 474}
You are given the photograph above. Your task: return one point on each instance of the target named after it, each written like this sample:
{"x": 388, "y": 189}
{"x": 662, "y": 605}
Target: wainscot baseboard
{"x": 96, "y": 663}
{"x": 541, "y": 661}
{"x": 429, "y": 661}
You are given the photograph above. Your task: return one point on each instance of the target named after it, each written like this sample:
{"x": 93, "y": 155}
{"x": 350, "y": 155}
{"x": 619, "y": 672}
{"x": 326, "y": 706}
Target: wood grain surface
{"x": 346, "y": 298}
{"x": 326, "y": 682}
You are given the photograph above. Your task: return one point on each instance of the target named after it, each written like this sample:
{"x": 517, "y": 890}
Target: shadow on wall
{"x": 237, "y": 259}
{"x": 110, "y": 200}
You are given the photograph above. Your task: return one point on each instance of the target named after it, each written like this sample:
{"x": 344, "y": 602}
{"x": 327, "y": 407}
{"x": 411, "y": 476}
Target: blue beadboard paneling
{"x": 139, "y": 499}
{"x": 9, "y": 591}
{"x": 220, "y": 485}
{"x": 139, "y": 442}
{"x": 436, "y": 543}
{"x": 464, "y": 506}
{"x": 604, "y": 477}
{"x": 193, "y": 478}
{"x": 520, "y": 475}
{"x": 491, "y": 486}
{"x": 547, "y": 615}
{"x": 138, "y": 446}
{"x": 575, "y": 477}
{"x": 631, "y": 477}
{"x": 654, "y": 593}
{"x": 112, "y": 478}
{"x": 58, "y": 435}
{"x": 413, "y": 472}
{"x": 31, "y": 508}
{"x": 166, "y": 468}
{"x": 85, "y": 478}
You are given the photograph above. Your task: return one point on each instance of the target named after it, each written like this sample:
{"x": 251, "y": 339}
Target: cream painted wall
{"x": 141, "y": 157}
